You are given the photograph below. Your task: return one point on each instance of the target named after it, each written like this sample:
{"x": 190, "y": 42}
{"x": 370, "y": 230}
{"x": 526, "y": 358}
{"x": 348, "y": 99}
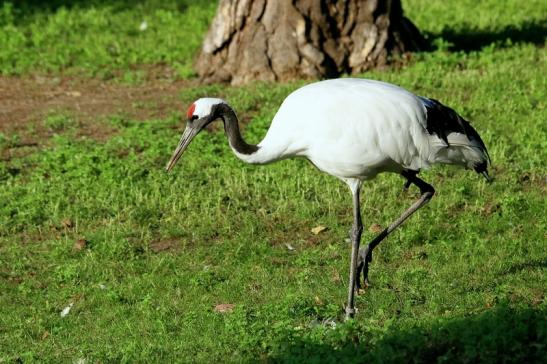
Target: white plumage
{"x": 354, "y": 129}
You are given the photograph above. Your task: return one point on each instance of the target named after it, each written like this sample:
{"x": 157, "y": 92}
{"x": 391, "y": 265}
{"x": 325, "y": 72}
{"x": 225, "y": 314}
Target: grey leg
{"x": 365, "y": 255}
{"x": 356, "y": 231}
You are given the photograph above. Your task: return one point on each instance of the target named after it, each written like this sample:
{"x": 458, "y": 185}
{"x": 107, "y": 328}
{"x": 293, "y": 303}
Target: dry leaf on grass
{"x": 318, "y": 229}
{"x": 163, "y": 245}
{"x": 67, "y": 223}
{"x": 80, "y": 244}
{"x": 375, "y": 228}
{"x": 335, "y": 278}
{"x": 224, "y": 307}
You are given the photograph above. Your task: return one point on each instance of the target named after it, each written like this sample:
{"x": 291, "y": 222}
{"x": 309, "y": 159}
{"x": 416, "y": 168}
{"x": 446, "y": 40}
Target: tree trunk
{"x": 278, "y": 40}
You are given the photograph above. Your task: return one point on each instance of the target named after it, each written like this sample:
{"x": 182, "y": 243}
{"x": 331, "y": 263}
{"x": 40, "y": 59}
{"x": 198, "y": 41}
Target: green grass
{"x": 463, "y": 281}
{"x": 101, "y": 38}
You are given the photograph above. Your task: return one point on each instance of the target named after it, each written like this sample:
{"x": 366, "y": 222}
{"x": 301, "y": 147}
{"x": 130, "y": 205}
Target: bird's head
{"x": 200, "y": 114}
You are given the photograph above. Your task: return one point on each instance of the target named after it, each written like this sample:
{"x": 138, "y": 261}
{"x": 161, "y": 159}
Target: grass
{"x": 463, "y": 281}
{"x": 105, "y": 39}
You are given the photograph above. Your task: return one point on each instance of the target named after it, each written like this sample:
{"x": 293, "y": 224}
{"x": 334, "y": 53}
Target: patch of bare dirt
{"x": 26, "y": 101}
{"x": 164, "y": 245}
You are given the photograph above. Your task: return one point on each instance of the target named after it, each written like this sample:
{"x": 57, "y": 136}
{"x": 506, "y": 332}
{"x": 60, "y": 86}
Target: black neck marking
{"x": 231, "y": 127}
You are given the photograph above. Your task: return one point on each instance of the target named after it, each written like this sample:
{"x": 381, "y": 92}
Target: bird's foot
{"x": 361, "y": 289}
{"x": 350, "y": 313}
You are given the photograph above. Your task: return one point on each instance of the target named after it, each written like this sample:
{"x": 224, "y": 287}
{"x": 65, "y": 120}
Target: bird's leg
{"x": 407, "y": 185}
{"x": 362, "y": 268}
{"x": 366, "y": 254}
{"x": 356, "y": 231}
{"x": 409, "y": 175}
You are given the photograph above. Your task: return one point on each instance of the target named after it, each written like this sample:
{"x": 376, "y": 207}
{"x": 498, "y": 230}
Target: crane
{"x": 353, "y": 129}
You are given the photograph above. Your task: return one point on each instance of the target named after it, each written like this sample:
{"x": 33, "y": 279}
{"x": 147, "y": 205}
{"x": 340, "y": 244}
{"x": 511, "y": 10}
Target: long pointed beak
{"x": 187, "y": 136}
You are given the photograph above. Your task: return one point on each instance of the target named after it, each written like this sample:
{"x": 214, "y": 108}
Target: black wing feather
{"x": 443, "y": 120}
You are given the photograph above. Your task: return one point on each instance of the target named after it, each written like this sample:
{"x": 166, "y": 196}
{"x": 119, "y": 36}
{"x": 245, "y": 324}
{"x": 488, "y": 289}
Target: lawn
{"x": 91, "y": 222}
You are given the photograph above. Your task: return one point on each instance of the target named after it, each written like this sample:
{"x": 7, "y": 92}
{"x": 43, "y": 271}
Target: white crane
{"x": 353, "y": 129}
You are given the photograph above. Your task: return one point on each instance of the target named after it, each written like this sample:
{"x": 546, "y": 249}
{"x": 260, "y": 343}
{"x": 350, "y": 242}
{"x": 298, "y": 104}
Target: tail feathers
{"x": 462, "y": 144}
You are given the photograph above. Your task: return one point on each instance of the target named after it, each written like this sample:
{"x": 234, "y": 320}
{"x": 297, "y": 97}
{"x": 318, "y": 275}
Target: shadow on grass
{"x": 529, "y": 264}
{"x": 499, "y": 335}
{"x": 468, "y": 40}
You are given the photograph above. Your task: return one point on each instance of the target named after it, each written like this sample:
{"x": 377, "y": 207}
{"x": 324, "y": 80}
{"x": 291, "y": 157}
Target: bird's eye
{"x": 194, "y": 117}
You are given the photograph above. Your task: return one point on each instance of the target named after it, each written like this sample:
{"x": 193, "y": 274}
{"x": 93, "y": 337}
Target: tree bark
{"x": 278, "y": 40}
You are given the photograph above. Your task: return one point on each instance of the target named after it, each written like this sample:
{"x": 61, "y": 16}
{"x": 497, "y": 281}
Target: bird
{"x": 353, "y": 129}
